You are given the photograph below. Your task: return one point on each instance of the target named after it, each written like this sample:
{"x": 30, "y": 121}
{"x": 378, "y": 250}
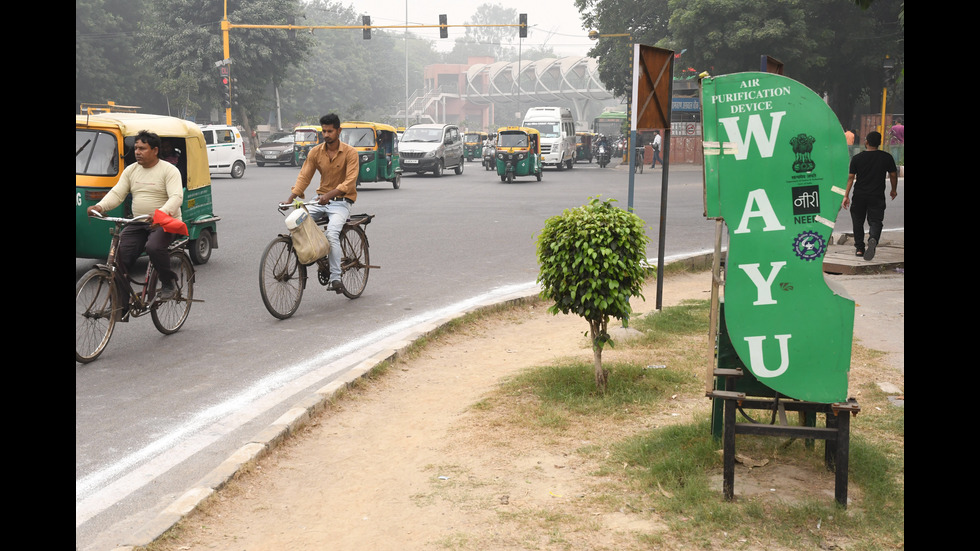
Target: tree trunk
{"x": 247, "y": 127}
{"x": 597, "y": 329}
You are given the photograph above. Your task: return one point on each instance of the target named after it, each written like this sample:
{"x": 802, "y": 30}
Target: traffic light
{"x": 224, "y": 80}
{"x": 523, "y": 22}
{"x": 366, "y": 21}
{"x": 443, "y": 30}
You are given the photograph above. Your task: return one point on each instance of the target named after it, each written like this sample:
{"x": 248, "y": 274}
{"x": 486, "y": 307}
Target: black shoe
{"x": 167, "y": 292}
{"x": 869, "y": 253}
{"x": 335, "y": 285}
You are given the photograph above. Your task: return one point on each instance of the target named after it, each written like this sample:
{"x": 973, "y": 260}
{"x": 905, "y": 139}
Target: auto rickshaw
{"x": 307, "y": 137}
{"x": 473, "y": 145}
{"x": 583, "y": 146}
{"x": 377, "y": 151}
{"x": 104, "y": 147}
{"x": 518, "y": 153}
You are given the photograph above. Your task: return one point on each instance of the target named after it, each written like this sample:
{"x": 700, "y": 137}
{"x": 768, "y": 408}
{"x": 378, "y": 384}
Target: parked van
{"x": 557, "y": 129}
{"x": 432, "y": 148}
{"x": 226, "y": 150}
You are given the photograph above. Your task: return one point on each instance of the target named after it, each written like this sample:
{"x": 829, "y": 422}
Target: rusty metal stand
{"x": 836, "y": 432}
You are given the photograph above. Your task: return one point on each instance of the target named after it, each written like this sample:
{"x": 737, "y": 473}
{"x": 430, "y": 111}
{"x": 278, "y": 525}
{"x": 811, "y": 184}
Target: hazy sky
{"x": 555, "y": 23}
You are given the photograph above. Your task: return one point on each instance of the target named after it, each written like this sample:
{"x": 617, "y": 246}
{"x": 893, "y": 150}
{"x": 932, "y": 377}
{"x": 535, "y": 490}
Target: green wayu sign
{"x": 775, "y": 168}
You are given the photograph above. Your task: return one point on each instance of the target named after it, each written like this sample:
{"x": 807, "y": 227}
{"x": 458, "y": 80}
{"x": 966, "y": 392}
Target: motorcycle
{"x": 489, "y": 157}
{"x": 602, "y": 156}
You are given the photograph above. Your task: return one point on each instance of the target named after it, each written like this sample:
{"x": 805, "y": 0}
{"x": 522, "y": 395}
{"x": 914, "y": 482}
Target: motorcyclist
{"x": 488, "y": 151}
{"x": 603, "y": 140}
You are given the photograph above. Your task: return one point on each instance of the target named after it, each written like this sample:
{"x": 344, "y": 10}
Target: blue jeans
{"x": 338, "y": 211}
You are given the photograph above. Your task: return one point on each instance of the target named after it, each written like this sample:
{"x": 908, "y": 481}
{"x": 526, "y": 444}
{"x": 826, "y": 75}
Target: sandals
{"x": 859, "y": 252}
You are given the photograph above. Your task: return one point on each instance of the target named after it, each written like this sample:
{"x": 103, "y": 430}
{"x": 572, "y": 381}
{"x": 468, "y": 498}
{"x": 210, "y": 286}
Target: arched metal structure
{"x": 569, "y": 79}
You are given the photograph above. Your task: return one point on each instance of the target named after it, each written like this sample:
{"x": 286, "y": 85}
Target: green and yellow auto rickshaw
{"x": 104, "y": 147}
{"x": 583, "y": 146}
{"x": 306, "y": 137}
{"x": 377, "y": 151}
{"x": 473, "y": 145}
{"x": 518, "y": 153}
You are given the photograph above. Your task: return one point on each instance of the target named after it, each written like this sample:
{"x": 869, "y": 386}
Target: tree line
{"x": 836, "y": 48}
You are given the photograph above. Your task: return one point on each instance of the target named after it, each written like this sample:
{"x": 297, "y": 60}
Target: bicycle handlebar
{"x": 100, "y": 216}
{"x": 314, "y": 201}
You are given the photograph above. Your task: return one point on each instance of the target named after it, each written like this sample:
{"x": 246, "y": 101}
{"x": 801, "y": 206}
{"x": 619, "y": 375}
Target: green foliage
{"x": 644, "y": 20}
{"x": 590, "y": 261}
{"x": 182, "y": 39}
{"x": 832, "y": 47}
{"x": 105, "y": 65}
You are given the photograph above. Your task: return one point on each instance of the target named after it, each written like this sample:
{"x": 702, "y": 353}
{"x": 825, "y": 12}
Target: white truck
{"x": 557, "y": 128}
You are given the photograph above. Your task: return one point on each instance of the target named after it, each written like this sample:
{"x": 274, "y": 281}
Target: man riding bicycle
{"x": 338, "y": 166}
{"x": 154, "y": 186}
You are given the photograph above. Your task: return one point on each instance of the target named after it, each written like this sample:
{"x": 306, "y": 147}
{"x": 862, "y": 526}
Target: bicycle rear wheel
{"x": 354, "y": 261}
{"x": 95, "y": 306}
{"x": 281, "y": 278}
{"x": 169, "y": 315}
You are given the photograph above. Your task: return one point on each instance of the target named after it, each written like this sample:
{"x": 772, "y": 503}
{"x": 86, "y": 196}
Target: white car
{"x": 226, "y": 150}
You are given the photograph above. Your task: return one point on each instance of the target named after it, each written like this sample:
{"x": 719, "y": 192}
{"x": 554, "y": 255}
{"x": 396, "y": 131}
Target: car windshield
{"x": 473, "y": 137}
{"x": 547, "y": 129}
{"x": 423, "y": 135}
{"x": 281, "y": 138}
{"x": 357, "y": 137}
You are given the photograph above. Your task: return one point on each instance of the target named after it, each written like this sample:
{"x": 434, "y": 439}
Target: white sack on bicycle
{"x": 308, "y": 241}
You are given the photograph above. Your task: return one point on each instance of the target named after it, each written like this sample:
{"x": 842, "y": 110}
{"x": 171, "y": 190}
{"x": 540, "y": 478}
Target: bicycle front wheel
{"x": 169, "y": 315}
{"x": 95, "y": 307}
{"x": 281, "y": 278}
{"x": 355, "y": 260}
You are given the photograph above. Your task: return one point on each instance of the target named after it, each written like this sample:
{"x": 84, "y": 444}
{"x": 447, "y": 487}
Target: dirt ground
{"x": 411, "y": 462}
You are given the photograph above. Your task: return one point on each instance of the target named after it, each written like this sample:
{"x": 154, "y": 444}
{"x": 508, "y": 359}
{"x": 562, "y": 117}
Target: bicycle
{"x": 282, "y": 278}
{"x": 97, "y": 302}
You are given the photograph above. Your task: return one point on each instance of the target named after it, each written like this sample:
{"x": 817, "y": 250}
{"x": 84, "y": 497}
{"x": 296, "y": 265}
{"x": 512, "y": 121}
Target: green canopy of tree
{"x": 182, "y": 41}
{"x": 831, "y": 47}
{"x": 106, "y": 68}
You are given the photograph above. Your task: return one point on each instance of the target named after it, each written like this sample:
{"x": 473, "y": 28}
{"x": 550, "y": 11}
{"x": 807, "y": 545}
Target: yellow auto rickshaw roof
{"x": 364, "y": 124}
{"x": 130, "y": 124}
{"x": 517, "y": 129}
{"x": 317, "y": 127}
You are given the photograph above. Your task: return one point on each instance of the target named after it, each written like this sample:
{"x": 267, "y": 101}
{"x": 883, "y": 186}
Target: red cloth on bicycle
{"x": 169, "y": 223}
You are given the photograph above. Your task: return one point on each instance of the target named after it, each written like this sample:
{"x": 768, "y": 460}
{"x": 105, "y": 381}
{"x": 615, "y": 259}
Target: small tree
{"x": 590, "y": 261}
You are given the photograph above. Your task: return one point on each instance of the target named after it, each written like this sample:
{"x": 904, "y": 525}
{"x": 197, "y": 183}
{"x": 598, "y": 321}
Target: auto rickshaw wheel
{"x": 200, "y": 248}
{"x": 538, "y": 175}
{"x": 396, "y": 182}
